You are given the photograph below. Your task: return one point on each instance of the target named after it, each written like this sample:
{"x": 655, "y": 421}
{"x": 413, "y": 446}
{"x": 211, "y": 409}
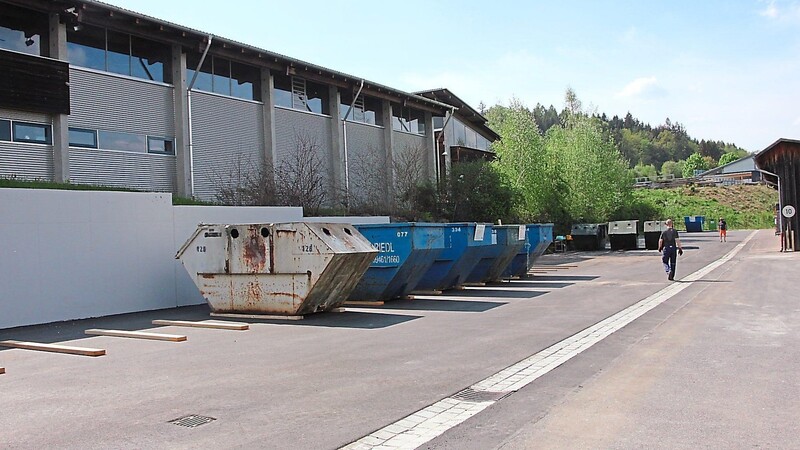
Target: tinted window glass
{"x": 119, "y": 53}
{"x": 316, "y": 98}
{"x": 82, "y": 138}
{"x": 32, "y": 132}
{"x": 283, "y": 90}
{"x": 5, "y": 130}
{"x": 87, "y": 47}
{"x": 203, "y": 80}
{"x": 160, "y": 145}
{"x": 222, "y": 76}
{"x": 245, "y": 81}
{"x": 149, "y": 59}
{"x": 112, "y": 140}
{"x": 23, "y": 30}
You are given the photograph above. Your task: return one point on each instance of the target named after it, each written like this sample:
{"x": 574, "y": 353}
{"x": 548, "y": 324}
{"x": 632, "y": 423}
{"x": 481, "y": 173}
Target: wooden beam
{"x": 214, "y": 325}
{"x": 82, "y": 351}
{"x": 2, "y": 370}
{"x": 257, "y": 316}
{"x": 137, "y": 335}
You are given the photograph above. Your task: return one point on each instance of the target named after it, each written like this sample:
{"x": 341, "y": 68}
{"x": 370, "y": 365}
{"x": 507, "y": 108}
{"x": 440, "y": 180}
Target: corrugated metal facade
{"x": 293, "y": 125}
{"x": 140, "y": 171}
{"x": 404, "y": 142}
{"x": 227, "y": 135}
{"x": 366, "y": 157}
{"x": 26, "y": 161}
{"x": 113, "y": 103}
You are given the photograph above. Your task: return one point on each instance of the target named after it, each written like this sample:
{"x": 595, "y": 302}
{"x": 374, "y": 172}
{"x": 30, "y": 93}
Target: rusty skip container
{"x": 277, "y": 269}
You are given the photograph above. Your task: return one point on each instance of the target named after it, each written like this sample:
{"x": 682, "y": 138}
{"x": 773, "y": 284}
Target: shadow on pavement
{"x": 495, "y": 293}
{"x": 346, "y": 319}
{"x": 531, "y": 282}
{"x": 75, "y": 329}
{"x": 566, "y": 278}
{"x": 441, "y": 305}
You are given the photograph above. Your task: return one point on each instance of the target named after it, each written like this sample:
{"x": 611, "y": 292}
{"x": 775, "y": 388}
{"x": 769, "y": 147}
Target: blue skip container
{"x": 507, "y": 241}
{"x": 538, "y": 237}
{"x": 407, "y": 251}
{"x": 465, "y": 244}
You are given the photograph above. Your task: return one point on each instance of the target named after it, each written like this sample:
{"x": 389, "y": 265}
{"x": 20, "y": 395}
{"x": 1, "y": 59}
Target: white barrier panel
{"x": 75, "y": 254}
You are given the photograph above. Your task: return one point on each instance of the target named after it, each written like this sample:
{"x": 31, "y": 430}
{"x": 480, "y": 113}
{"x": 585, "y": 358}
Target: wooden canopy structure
{"x": 781, "y": 160}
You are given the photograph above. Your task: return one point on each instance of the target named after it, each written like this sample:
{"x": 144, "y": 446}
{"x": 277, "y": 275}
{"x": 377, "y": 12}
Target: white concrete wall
{"x": 75, "y": 254}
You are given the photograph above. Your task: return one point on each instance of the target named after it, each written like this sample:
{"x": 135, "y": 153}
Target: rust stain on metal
{"x": 255, "y": 250}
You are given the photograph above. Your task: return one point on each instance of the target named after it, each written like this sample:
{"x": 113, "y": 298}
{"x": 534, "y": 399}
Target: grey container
{"x": 589, "y": 236}
{"x": 652, "y": 233}
{"x": 276, "y": 269}
{"x": 623, "y": 234}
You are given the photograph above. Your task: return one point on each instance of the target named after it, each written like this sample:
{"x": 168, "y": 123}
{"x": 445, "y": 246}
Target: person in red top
{"x": 670, "y": 247}
{"x": 723, "y": 230}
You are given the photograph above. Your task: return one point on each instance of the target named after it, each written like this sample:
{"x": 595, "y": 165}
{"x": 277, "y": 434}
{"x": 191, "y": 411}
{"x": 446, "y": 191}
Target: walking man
{"x": 723, "y": 230}
{"x": 670, "y": 247}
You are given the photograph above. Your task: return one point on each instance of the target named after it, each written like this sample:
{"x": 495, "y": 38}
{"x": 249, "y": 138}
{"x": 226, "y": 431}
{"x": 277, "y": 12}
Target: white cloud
{"x": 796, "y": 121}
{"x": 781, "y": 11}
{"x": 642, "y": 87}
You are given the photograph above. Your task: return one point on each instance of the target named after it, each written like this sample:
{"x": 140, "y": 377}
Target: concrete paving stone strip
{"x": 428, "y": 423}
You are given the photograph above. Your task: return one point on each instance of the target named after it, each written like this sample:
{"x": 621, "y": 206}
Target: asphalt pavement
{"x": 712, "y": 366}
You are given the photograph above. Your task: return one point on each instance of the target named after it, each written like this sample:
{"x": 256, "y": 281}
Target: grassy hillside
{"x": 742, "y": 206}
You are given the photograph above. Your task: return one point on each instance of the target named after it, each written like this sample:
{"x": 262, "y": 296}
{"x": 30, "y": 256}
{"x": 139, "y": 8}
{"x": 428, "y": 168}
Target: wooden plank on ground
{"x": 214, "y": 325}
{"x": 2, "y": 370}
{"x": 56, "y": 348}
{"x": 137, "y": 335}
{"x": 362, "y": 303}
{"x": 257, "y": 316}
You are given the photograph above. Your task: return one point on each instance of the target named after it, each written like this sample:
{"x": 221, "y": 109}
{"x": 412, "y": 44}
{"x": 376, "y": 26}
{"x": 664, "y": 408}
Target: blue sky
{"x": 726, "y": 69}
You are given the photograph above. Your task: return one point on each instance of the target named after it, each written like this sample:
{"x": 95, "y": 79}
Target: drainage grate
{"x": 192, "y": 421}
{"x": 471, "y": 395}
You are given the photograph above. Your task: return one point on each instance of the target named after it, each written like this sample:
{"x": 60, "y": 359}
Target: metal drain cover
{"x": 192, "y": 421}
{"x": 471, "y": 395}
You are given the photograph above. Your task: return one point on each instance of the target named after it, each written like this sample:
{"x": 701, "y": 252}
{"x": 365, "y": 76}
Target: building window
{"x": 299, "y": 93}
{"x": 160, "y": 145}
{"x": 79, "y": 137}
{"x": 126, "y": 142}
{"x": 459, "y": 133}
{"x": 111, "y": 51}
{"x": 222, "y": 76}
{"x": 407, "y": 119}
{"x": 32, "y": 132}
{"x": 23, "y": 30}
{"x": 366, "y": 109}
{"x": 5, "y": 130}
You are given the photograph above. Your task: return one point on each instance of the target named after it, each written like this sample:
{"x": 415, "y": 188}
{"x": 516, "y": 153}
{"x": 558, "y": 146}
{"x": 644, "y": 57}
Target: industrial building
{"x": 96, "y": 94}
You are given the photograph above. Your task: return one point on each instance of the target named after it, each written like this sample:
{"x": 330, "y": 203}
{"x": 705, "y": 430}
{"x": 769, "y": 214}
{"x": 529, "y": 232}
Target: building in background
{"x": 462, "y": 135}
{"x": 96, "y": 94}
{"x": 742, "y": 170}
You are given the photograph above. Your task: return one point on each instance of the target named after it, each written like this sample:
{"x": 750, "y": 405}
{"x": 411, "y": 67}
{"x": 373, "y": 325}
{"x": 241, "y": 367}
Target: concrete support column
{"x": 337, "y": 143}
{"x": 183, "y": 162}
{"x": 57, "y": 49}
{"x": 388, "y": 145}
{"x": 430, "y": 148}
{"x": 267, "y": 89}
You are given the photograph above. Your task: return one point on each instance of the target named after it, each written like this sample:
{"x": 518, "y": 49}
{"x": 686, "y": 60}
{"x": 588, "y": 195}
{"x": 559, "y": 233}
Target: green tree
{"x": 522, "y": 161}
{"x": 727, "y": 158}
{"x": 592, "y": 168}
{"x": 695, "y": 161}
{"x": 645, "y": 171}
{"x": 674, "y": 168}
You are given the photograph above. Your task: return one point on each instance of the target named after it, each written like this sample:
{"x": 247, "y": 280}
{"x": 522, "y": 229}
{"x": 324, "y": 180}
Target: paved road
{"x": 714, "y": 365}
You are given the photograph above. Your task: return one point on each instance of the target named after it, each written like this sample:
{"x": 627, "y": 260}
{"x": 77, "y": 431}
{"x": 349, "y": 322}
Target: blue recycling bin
{"x": 407, "y": 251}
{"x": 538, "y": 237}
{"x": 545, "y": 239}
{"x": 694, "y": 224}
{"x": 465, "y": 244}
{"x": 507, "y": 241}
